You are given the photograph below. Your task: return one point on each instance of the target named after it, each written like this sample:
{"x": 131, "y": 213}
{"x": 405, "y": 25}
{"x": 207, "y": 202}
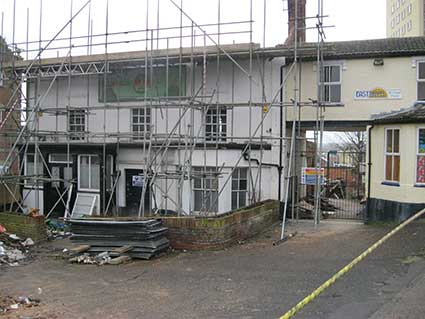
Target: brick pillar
{"x": 301, "y": 21}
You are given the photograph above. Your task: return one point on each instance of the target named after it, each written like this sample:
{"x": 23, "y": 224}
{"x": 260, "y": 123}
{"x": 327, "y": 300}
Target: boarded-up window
{"x": 392, "y": 155}
{"x": 420, "y": 157}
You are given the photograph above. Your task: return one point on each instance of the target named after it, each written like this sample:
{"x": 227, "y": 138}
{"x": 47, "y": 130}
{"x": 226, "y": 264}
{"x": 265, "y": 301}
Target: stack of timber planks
{"x": 142, "y": 239}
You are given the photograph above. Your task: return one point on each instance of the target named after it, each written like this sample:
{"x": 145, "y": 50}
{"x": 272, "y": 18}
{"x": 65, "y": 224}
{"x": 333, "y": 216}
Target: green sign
{"x": 125, "y": 85}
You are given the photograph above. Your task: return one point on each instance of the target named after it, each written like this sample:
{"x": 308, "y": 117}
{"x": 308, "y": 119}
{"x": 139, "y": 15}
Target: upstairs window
{"x": 140, "y": 122}
{"x": 392, "y": 155}
{"x": 331, "y": 81}
{"x": 77, "y": 124}
{"x": 420, "y": 157}
{"x": 421, "y": 81}
{"x": 216, "y": 124}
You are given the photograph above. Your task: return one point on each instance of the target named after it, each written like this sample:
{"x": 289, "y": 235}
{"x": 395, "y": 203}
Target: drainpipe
{"x": 279, "y": 169}
{"x": 369, "y": 166}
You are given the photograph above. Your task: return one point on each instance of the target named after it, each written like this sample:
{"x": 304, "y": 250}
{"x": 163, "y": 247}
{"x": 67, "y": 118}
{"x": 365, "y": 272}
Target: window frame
{"x": 145, "y": 126}
{"x": 90, "y": 175}
{"x": 203, "y": 188}
{"x": 220, "y": 135}
{"x": 26, "y": 182}
{"x": 77, "y": 135}
{"x": 239, "y": 190}
{"x": 418, "y": 80}
{"x": 417, "y": 154}
{"x": 59, "y": 161}
{"x": 325, "y": 84}
{"x": 393, "y": 154}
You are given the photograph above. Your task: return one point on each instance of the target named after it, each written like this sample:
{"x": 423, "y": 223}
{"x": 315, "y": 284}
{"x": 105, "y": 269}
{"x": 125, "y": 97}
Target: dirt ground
{"x": 252, "y": 280}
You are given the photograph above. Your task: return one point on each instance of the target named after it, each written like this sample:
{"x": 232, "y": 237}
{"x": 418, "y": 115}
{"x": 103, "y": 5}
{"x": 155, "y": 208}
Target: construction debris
{"x": 9, "y": 304}
{"x": 306, "y": 208}
{"x": 57, "y": 229}
{"x": 13, "y": 250}
{"x": 102, "y": 239}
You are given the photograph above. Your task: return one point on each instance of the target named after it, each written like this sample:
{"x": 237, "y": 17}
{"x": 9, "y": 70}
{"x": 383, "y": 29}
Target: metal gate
{"x": 343, "y": 187}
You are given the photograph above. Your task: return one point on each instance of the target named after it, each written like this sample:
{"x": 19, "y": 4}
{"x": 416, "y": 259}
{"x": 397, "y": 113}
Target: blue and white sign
{"x": 378, "y": 93}
{"x": 137, "y": 181}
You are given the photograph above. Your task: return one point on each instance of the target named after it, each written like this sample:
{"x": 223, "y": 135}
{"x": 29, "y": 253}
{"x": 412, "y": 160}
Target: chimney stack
{"x": 300, "y": 21}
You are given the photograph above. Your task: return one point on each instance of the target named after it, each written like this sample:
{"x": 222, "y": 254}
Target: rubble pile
{"x": 13, "y": 250}
{"x": 57, "y": 229}
{"x": 99, "y": 259}
{"x": 306, "y": 207}
{"x": 9, "y": 303}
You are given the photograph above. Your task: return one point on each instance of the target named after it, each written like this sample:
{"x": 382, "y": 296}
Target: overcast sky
{"x": 360, "y": 19}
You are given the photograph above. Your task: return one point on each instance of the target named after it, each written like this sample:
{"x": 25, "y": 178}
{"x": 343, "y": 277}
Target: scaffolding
{"x": 170, "y": 55}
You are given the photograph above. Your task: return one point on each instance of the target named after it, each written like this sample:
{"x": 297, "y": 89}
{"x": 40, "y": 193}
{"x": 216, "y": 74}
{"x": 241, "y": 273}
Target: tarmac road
{"x": 251, "y": 280}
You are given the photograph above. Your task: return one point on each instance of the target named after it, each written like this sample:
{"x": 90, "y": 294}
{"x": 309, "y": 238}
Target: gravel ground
{"x": 252, "y": 280}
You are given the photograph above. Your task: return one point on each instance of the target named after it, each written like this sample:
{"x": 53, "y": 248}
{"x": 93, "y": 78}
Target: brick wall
{"x": 195, "y": 233}
{"x": 24, "y": 226}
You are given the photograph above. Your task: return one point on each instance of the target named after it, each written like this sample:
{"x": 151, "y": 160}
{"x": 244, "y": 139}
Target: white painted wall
{"x": 233, "y": 88}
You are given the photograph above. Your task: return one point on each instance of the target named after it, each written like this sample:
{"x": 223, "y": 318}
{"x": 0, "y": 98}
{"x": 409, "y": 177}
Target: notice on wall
{"x": 137, "y": 181}
{"x": 309, "y": 175}
{"x": 378, "y": 93}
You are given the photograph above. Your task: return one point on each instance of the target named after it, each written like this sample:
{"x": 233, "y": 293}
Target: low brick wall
{"x": 24, "y": 226}
{"x": 196, "y": 233}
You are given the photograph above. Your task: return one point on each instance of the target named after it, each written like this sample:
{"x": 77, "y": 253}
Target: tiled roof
{"x": 414, "y": 114}
{"x": 409, "y": 46}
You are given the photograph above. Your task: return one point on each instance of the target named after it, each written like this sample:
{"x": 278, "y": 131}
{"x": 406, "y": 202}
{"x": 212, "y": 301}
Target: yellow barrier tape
{"x": 345, "y": 269}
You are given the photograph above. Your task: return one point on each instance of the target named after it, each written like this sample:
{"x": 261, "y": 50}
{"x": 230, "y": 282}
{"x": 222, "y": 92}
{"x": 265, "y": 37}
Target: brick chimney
{"x": 301, "y": 21}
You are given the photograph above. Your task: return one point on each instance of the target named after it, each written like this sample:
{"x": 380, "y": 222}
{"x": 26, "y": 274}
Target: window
{"x": 140, "y": 122}
{"x": 216, "y": 124}
{"x": 60, "y": 158}
{"x": 403, "y": 29}
{"x": 331, "y": 80}
{"x": 409, "y": 25}
{"x": 77, "y": 124}
{"x": 398, "y": 4}
{"x": 205, "y": 189}
{"x": 398, "y": 18}
{"x": 421, "y": 81}
{"x": 239, "y": 187}
{"x": 409, "y": 8}
{"x": 88, "y": 172}
{"x": 403, "y": 14}
{"x": 30, "y": 168}
{"x": 392, "y": 8}
{"x": 392, "y": 23}
{"x": 392, "y": 155}
{"x": 420, "y": 157}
